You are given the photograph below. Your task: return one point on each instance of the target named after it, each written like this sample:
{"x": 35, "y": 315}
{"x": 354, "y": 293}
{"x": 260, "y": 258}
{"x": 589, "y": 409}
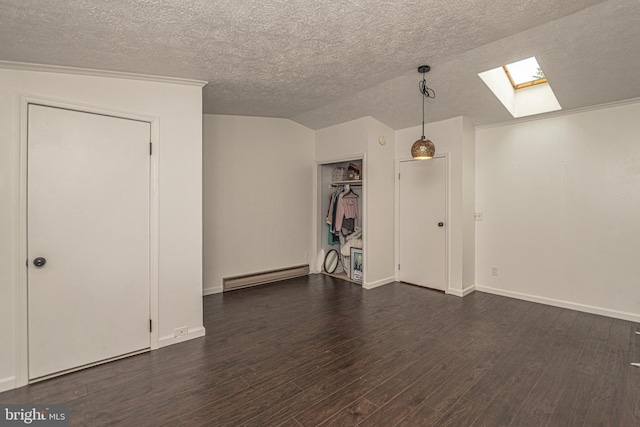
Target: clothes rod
{"x": 356, "y": 183}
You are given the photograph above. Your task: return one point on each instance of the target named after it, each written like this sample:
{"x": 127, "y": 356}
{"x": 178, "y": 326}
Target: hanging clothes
{"x": 331, "y": 212}
{"x": 342, "y": 215}
{"x": 347, "y": 209}
{"x": 344, "y": 222}
{"x": 333, "y": 238}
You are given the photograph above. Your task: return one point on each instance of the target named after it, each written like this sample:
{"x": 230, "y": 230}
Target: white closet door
{"x": 88, "y": 216}
{"x": 423, "y": 199}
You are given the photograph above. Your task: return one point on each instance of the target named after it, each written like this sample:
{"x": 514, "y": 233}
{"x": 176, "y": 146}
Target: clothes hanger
{"x": 350, "y": 191}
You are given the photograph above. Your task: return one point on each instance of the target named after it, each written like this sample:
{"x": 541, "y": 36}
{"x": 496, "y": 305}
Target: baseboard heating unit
{"x": 261, "y": 278}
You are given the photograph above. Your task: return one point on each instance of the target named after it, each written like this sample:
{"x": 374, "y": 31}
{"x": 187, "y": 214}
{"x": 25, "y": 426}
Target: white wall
{"x": 258, "y": 181}
{"x": 561, "y": 210}
{"x": 179, "y": 110}
{"x": 468, "y": 206}
{"x": 379, "y": 242}
{"x": 346, "y": 140}
{"x": 355, "y": 139}
{"x": 454, "y": 137}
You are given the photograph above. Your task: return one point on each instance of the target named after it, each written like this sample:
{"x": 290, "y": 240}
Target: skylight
{"x": 524, "y": 73}
{"x": 508, "y": 83}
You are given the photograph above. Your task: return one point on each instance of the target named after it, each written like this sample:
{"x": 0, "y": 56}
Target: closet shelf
{"x": 356, "y": 182}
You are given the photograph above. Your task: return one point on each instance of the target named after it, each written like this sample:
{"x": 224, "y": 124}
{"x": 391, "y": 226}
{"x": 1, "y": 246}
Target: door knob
{"x": 39, "y": 262}
{"x": 441, "y": 224}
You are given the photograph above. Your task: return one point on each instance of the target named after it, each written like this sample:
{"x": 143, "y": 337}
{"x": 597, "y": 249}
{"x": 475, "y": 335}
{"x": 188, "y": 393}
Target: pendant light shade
{"x": 423, "y": 149}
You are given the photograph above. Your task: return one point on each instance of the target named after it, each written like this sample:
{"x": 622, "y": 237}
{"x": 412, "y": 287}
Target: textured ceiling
{"x": 323, "y": 63}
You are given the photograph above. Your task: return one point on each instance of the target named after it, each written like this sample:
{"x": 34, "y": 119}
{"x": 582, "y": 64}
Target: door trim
{"x": 447, "y": 217}
{"x": 21, "y": 330}
{"x": 317, "y": 215}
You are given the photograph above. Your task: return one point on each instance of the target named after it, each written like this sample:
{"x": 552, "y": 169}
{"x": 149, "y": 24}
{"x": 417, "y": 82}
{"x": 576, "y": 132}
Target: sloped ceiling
{"x": 323, "y": 63}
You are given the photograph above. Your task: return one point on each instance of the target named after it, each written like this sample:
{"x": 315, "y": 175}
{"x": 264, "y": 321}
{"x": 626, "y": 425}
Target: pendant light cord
{"x": 423, "y": 81}
{"x": 426, "y": 92}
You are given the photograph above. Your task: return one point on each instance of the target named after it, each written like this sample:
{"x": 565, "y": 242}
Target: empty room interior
{"x": 298, "y": 213}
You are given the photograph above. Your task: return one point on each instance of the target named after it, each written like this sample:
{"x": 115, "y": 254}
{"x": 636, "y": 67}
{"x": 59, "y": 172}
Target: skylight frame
{"x": 527, "y": 83}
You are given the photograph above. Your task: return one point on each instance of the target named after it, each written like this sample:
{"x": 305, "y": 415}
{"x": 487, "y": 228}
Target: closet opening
{"x": 341, "y": 234}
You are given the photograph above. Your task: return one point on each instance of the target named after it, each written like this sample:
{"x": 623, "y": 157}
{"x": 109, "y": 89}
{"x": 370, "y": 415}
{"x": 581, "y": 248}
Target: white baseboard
{"x": 563, "y": 304}
{"x": 378, "y": 283}
{"x": 8, "y": 383}
{"x": 193, "y": 333}
{"x": 211, "y": 291}
{"x": 463, "y": 293}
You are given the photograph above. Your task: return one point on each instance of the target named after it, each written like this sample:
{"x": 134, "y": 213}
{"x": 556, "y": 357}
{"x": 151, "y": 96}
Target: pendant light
{"x": 424, "y": 149}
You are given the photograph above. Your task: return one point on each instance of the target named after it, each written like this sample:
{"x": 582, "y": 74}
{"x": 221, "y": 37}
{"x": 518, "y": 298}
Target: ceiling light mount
{"x": 423, "y": 148}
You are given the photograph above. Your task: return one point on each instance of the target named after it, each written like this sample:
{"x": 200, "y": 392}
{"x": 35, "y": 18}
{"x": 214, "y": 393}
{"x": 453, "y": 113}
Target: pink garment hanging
{"x": 347, "y": 208}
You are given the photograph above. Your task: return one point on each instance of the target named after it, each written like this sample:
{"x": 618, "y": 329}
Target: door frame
{"x": 317, "y": 203}
{"x": 21, "y": 331}
{"x": 447, "y": 216}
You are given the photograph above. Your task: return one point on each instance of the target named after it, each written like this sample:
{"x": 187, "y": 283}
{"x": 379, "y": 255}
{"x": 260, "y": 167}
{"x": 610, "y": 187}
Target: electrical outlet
{"x": 494, "y": 270}
{"x": 477, "y": 216}
{"x": 180, "y": 332}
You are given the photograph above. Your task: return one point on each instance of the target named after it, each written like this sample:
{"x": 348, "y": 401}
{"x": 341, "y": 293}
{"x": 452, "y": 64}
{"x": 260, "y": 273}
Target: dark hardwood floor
{"x": 321, "y": 351}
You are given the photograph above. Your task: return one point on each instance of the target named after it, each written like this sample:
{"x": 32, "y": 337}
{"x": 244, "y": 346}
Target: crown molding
{"x": 26, "y": 66}
{"x": 559, "y": 113}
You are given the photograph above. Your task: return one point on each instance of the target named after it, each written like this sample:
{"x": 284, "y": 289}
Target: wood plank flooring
{"x": 318, "y": 351}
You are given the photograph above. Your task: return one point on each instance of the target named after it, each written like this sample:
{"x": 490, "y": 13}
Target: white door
{"x": 423, "y": 237}
{"x": 88, "y": 217}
